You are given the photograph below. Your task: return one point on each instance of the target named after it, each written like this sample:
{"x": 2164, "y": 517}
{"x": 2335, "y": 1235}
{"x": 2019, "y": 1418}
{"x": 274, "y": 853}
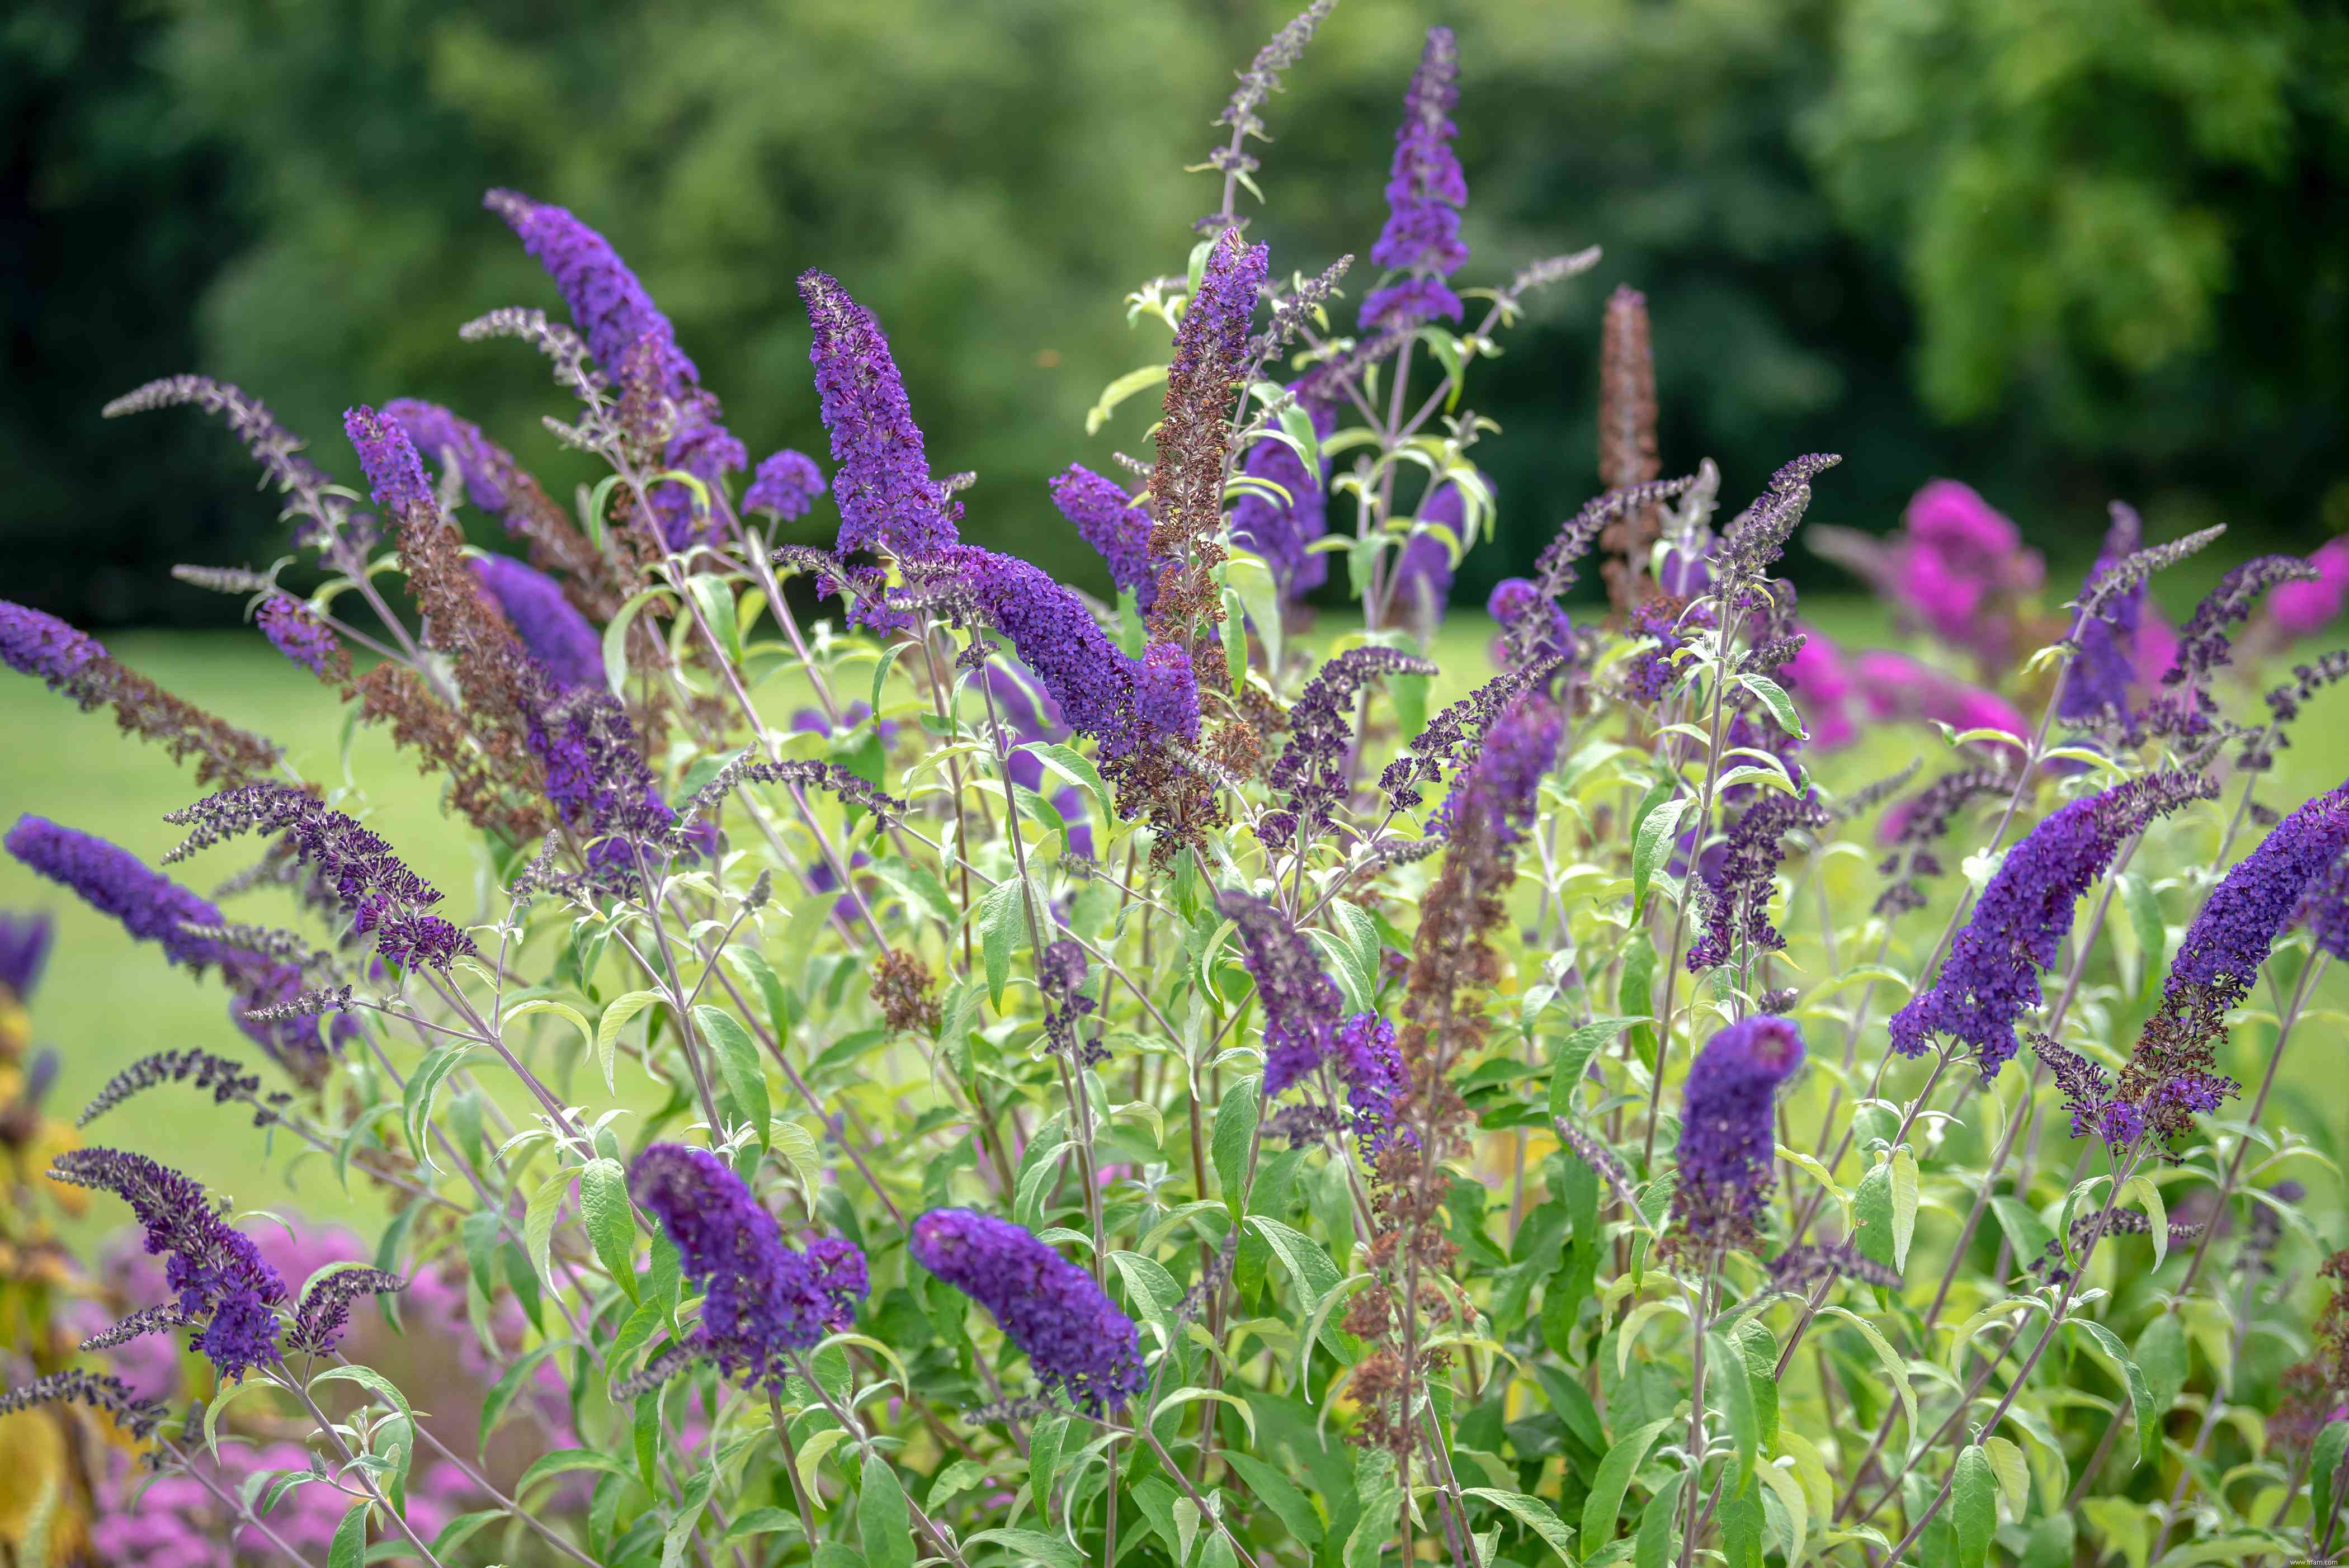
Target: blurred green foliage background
{"x": 2062, "y": 249}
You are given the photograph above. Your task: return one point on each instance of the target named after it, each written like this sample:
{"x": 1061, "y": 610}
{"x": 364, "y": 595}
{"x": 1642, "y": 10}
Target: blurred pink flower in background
{"x": 1957, "y": 569}
{"x": 1820, "y": 682}
{"x": 2304, "y": 609}
{"x": 1895, "y": 686}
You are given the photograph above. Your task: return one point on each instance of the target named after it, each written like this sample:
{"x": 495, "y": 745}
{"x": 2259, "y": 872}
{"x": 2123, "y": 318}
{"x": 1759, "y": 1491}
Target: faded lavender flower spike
{"x": 1425, "y": 192}
{"x": 221, "y": 1279}
{"x": 1728, "y": 1132}
{"x": 762, "y": 1299}
{"x": 1312, "y": 769}
{"x": 324, "y": 519}
{"x": 1258, "y": 83}
{"x": 1075, "y": 1338}
{"x": 882, "y": 482}
{"x": 1992, "y": 974}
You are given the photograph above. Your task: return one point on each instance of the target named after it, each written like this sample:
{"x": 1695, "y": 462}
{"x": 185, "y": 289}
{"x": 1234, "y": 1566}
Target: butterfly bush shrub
{"x": 956, "y": 1069}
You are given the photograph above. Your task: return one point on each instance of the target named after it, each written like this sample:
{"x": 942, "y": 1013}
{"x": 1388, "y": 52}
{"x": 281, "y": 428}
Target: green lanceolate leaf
{"x": 1973, "y": 1505}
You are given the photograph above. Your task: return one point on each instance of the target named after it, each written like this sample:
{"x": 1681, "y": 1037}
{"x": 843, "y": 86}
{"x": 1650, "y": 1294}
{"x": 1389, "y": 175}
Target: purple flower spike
{"x": 2097, "y": 683}
{"x": 1425, "y": 192}
{"x": 1076, "y": 1339}
{"x": 607, "y": 303}
{"x": 34, "y": 644}
{"x": 1300, "y": 1003}
{"x": 1126, "y": 705}
{"x": 436, "y": 432}
{"x": 1283, "y": 534}
{"x": 1992, "y": 975}
{"x": 394, "y": 474}
{"x": 785, "y": 486}
{"x": 2220, "y": 956}
{"x": 1422, "y": 572}
{"x": 1113, "y": 524}
{"x": 24, "y": 942}
{"x": 1371, "y": 1069}
{"x": 224, "y": 1283}
{"x": 1727, "y": 1131}
{"x": 1502, "y": 790}
{"x": 558, "y": 636}
{"x": 301, "y": 636}
{"x": 762, "y": 1298}
{"x": 882, "y": 482}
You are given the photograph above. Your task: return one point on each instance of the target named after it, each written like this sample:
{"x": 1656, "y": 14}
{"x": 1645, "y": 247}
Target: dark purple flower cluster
{"x": 883, "y": 484}
{"x": 2326, "y": 910}
{"x": 1992, "y": 974}
{"x": 2096, "y": 686}
{"x": 24, "y": 942}
{"x": 1757, "y": 536}
{"x": 1300, "y": 1003}
{"x": 395, "y": 475}
{"x": 301, "y": 636}
{"x": 597, "y": 782}
{"x": 1282, "y": 534}
{"x": 1453, "y": 738}
{"x": 1311, "y": 769}
{"x": 1425, "y": 192}
{"x": 2220, "y": 956}
{"x": 1061, "y": 973}
{"x": 2206, "y": 643}
{"x": 1076, "y": 1339}
{"x": 785, "y": 486}
{"x": 556, "y": 635}
{"x": 154, "y": 908}
{"x": 1109, "y": 521}
{"x": 1648, "y": 675}
{"x": 1917, "y": 824}
{"x": 1728, "y": 1131}
{"x": 1738, "y": 883}
{"x": 221, "y": 1279}
{"x": 325, "y": 1309}
{"x": 381, "y": 894}
{"x": 762, "y": 1299}
{"x": 33, "y": 643}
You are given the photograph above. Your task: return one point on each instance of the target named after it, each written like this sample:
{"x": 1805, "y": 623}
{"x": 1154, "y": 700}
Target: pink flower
{"x": 1820, "y": 682}
{"x": 1895, "y": 687}
{"x": 2156, "y": 647}
{"x": 1960, "y": 554}
{"x": 2304, "y": 609}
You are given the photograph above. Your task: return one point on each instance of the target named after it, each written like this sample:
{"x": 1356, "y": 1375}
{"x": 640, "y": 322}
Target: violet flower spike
{"x": 556, "y": 635}
{"x": 883, "y": 481}
{"x": 1300, "y": 1003}
{"x": 1992, "y": 974}
{"x": 1119, "y": 530}
{"x": 1425, "y": 192}
{"x": 1728, "y": 1132}
{"x": 785, "y": 486}
{"x": 1076, "y": 1340}
{"x": 221, "y": 1279}
{"x": 762, "y": 1300}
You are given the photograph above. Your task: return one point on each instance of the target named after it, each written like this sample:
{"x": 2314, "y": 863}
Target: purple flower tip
{"x": 558, "y": 636}
{"x": 33, "y": 643}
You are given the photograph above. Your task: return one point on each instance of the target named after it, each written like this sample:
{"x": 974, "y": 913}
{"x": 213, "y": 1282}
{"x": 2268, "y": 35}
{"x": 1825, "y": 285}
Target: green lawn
{"x": 108, "y": 999}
